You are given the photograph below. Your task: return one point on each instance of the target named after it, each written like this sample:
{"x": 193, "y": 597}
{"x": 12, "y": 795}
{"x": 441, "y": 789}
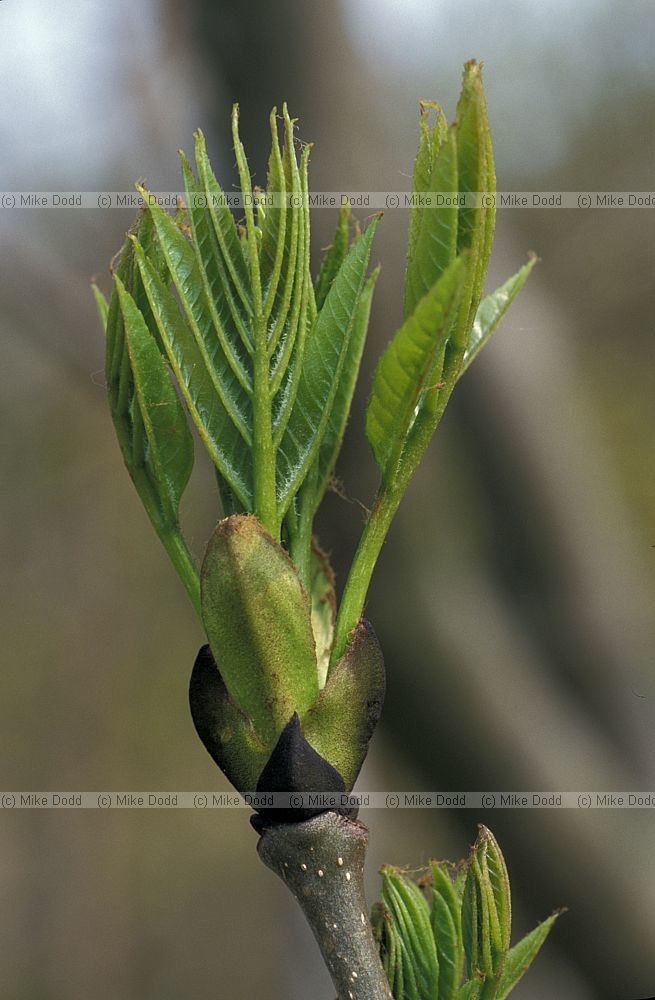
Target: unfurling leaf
{"x": 229, "y": 315}
{"x": 416, "y": 972}
{"x": 445, "y": 917}
{"x": 491, "y": 310}
{"x": 408, "y": 367}
{"x": 168, "y": 446}
{"x": 386, "y": 934}
{"x": 429, "y": 140}
{"x": 217, "y": 431}
{"x": 470, "y": 916}
{"x": 486, "y": 912}
{"x": 476, "y": 178}
{"x": 150, "y": 423}
{"x": 322, "y": 366}
{"x": 317, "y": 483}
{"x": 265, "y": 363}
{"x": 417, "y": 373}
{"x": 432, "y": 243}
{"x": 186, "y": 273}
{"x": 521, "y": 956}
{"x": 333, "y": 258}
{"x": 472, "y": 990}
{"x": 234, "y": 273}
{"x": 102, "y": 305}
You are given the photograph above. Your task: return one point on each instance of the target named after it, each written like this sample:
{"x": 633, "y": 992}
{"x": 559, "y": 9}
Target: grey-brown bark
{"x": 321, "y": 860}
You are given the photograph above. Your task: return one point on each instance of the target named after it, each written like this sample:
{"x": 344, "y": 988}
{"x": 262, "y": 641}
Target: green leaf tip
{"x": 521, "y": 956}
{"x": 101, "y": 304}
{"x": 334, "y": 257}
{"x": 492, "y": 310}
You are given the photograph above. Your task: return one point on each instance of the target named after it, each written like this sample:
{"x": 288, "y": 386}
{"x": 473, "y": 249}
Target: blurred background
{"x": 514, "y": 598}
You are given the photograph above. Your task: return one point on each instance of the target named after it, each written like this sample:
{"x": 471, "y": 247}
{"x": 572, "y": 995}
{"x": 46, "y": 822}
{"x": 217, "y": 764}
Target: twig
{"x": 322, "y": 862}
